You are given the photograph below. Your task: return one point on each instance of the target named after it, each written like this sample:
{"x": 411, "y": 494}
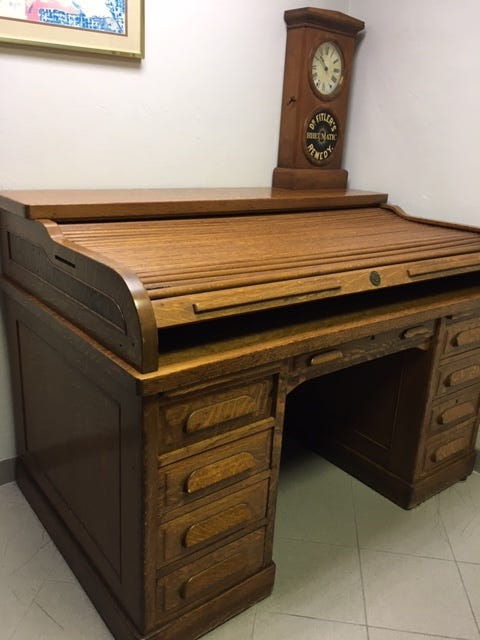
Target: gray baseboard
{"x": 7, "y": 470}
{"x": 477, "y": 462}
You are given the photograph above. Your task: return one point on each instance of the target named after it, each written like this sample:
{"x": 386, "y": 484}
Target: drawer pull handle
{"x": 220, "y": 412}
{"x": 326, "y": 357}
{"x": 463, "y": 375}
{"x": 416, "y": 332}
{"x": 464, "y": 410}
{"x": 289, "y": 290}
{"x": 437, "y": 267}
{"x": 465, "y": 338}
{"x": 220, "y": 524}
{"x": 208, "y": 579}
{"x": 447, "y": 450}
{"x": 218, "y": 471}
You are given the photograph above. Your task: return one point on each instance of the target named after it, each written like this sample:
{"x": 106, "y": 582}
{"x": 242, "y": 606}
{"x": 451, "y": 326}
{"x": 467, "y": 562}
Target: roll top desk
{"x": 158, "y": 340}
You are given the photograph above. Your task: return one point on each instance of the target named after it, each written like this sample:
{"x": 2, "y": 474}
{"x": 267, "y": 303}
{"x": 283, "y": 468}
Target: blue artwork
{"x": 107, "y": 16}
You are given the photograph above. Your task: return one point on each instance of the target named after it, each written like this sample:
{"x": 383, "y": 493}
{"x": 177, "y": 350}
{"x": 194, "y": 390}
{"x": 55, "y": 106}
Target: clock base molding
{"x": 285, "y": 178}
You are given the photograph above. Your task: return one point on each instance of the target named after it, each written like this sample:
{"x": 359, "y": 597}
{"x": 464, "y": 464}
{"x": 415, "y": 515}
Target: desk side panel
{"x": 79, "y": 432}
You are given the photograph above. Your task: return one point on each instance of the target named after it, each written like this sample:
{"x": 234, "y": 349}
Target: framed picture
{"x": 103, "y": 26}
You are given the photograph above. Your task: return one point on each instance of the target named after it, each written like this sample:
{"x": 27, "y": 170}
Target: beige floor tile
{"x": 10, "y": 493}
{"x": 275, "y": 626}
{"x": 238, "y": 628}
{"x": 316, "y": 580}
{"x": 387, "y": 634}
{"x": 414, "y": 594}
{"x": 21, "y": 535}
{"x": 471, "y": 580}
{"x": 12, "y": 608}
{"x": 460, "y": 512}
{"x": 383, "y": 526}
{"x": 61, "y": 611}
{"x": 315, "y": 502}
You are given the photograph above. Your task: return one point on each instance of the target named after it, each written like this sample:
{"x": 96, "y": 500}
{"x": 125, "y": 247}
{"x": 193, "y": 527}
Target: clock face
{"x": 327, "y": 69}
{"x": 321, "y": 135}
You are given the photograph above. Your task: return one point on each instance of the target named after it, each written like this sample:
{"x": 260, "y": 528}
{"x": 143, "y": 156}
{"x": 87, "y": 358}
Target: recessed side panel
{"x": 80, "y": 442}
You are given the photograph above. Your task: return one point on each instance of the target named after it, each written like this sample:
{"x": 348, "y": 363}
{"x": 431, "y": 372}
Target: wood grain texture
{"x": 135, "y": 204}
{"x": 263, "y": 262}
{"x": 160, "y": 485}
{"x": 212, "y": 522}
{"x": 214, "y": 469}
{"x": 306, "y": 29}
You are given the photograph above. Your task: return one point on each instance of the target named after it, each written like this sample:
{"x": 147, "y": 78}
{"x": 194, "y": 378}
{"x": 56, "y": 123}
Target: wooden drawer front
{"x": 460, "y": 409}
{"x": 207, "y": 472}
{"x": 458, "y": 373}
{"x": 443, "y": 450}
{"x": 369, "y": 348}
{"x": 213, "y": 412}
{"x": 462, "y": 336}
{"x": 212, "y": 574}
{"x": 209, "y": 524}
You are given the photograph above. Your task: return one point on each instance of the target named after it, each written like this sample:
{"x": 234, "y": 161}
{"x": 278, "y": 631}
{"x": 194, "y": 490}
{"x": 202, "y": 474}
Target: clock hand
{"x": 320, "y": 59}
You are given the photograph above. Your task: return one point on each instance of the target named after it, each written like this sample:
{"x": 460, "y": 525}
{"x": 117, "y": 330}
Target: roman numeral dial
{"x": 327, "y": 69}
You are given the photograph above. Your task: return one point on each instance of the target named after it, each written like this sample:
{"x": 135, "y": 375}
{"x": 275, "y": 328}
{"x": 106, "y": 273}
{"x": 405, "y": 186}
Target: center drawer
{"x": 374, "y": 346}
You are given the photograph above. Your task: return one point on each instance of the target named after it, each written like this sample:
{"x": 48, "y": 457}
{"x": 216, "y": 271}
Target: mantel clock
{"x": 318, "y": 68}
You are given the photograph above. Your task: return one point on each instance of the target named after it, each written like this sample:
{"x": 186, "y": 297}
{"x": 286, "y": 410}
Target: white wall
{"x": 414, "y": 129}
{"x": 203, "y": 109}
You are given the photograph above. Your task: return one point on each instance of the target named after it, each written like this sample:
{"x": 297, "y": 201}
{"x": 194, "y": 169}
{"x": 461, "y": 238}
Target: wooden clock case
{"x": 306, "y": 29}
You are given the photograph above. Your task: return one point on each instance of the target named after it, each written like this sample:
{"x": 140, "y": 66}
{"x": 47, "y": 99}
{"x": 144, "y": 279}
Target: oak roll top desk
{"x": 159, "y": 338}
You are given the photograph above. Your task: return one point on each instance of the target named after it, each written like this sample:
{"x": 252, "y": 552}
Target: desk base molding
{"x": 404, "y": 494}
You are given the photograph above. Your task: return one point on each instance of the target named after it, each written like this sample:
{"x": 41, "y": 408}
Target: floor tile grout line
{"x": 346, "y": 546}
{"x": 327, "y": 544}
{"x": 33, "y": 602}
{"x": 320, "y": 619}
{"x": 357, "y": 538}
{"x": 465, "y": 590}
{"x": 252, "y": 634}
{"x": 421, "y": 633}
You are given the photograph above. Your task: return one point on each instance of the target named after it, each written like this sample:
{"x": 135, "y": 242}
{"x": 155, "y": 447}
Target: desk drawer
{"x": 364, "y": 349}
{"x": 442, "y": 450}
{"x": 459, "y": 372}
{"x": 200, "y": 475}
{"x": 219, "y": 519}
{"x": 203, "y": 415}
{"x": 462, "y": 408}
{"x": 462, "y": 336}
{"x": 212, "y": 574}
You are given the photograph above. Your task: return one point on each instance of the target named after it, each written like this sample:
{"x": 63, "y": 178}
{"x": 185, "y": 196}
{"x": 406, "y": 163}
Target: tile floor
{"x": 350, "y": 566}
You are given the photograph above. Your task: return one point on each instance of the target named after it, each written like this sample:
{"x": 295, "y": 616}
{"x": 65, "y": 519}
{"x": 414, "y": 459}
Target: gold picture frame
{"x": 120, "y": 35}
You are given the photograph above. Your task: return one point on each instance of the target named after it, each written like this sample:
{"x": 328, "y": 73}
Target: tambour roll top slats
{"x": 196, "y": 268}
